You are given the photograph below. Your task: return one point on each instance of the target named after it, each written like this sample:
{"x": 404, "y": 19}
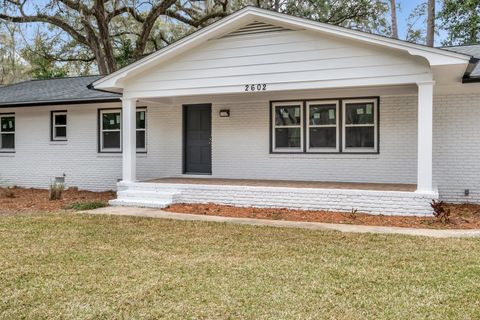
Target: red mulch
{"x": 463, "y": 216}
{"x": 19, "y": 200}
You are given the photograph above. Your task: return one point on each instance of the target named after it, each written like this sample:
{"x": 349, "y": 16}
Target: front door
{"x": 198, "y": 139}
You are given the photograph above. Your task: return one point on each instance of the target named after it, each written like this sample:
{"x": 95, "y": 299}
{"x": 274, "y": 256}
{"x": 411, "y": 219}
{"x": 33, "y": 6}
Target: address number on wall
{"x": 256, "y": 87}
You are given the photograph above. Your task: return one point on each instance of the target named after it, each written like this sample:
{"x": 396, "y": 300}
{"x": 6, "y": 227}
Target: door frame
{"x": 184, "y": 139}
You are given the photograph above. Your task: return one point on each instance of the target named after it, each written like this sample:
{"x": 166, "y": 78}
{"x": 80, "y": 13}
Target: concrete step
{"x": 146, "y": 195}
{"x": 139, "y": 203}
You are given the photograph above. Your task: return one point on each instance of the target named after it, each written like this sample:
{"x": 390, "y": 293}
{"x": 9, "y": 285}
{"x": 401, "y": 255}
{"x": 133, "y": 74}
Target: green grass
{"x": 89, "y": 205}
{"x": 69, "y": 265}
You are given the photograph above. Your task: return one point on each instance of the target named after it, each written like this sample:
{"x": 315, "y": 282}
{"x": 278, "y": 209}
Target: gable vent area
{"x": 255, "y": 28}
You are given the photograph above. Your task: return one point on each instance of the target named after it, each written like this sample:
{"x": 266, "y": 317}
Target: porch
{"x": 243, "y": 167}
{"x": 374, "y": 198}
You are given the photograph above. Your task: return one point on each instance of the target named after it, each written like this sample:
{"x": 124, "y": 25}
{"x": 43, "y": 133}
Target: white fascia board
{"x": 434, "y": 56}
{"x": 284, "y": 86}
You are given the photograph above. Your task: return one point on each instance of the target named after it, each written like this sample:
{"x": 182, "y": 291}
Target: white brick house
{"x": 295, "y": 113}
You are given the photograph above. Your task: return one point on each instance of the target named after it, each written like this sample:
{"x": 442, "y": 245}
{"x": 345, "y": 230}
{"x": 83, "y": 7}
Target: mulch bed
{"x": 463, "y": 216}
{"x": 19, "y": 200}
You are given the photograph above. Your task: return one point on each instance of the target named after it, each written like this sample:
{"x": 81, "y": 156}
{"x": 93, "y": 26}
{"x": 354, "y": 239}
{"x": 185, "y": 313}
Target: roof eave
{"x": 58, "y": 102}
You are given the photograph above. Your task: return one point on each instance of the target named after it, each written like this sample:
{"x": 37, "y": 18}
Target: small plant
{"x": 440, "y": 211}
{"x": 56, "y": 190}
{"x": 8, "y": 192}
{"x": 353, "y": 214}
{"x": 83, "y": 206}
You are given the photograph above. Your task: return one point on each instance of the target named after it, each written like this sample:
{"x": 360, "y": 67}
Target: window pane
{"x": 359, "y": 137}
{"x": 359, "y": 113}
{"x": 323, "y": 138}
{"x": 323, "y": 114}
{"x": 61, "y": 119}
{"x": 287, "y": 138}
{"x": 8, "y": 141}
{"x": 7, "y": 124}
{"x": 140, "y": 119}
{"x": 141, "y": 139}
{"x": 60, "y": 132}
{"x": 111, "y": 120}
{"x": 287, "y": 115}
{"x": 111, "y": 140}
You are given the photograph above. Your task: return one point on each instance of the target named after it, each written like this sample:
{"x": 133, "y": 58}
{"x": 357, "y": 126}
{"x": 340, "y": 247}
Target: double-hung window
{"x": 287, "y": 128}
{"x": 360, "y": 125}
{"x": 322, "y": 126}
{"x": 110, "y": 130}
{"x": 110, "y": 123}
{"x": 7, "y": 133}
{"x": 59, "y": 126}
{"x": 141, "y": 134}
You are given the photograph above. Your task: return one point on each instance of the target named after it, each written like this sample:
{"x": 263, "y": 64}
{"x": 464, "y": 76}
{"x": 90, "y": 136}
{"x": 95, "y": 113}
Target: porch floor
{"x": 289, "y": 183}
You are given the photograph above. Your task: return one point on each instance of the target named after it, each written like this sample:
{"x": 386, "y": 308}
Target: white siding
{"x": 241, "y": 147}
{"x": 225, "y": 65}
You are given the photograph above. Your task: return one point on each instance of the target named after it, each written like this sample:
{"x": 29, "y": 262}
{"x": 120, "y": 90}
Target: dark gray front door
{"x": 198, "y": 138}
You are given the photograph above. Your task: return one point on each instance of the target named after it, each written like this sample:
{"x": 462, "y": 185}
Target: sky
{"x": 406, "y": 6}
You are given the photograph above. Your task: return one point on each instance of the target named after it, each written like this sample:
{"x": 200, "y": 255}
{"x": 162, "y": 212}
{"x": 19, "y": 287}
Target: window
{"x": 111, "y": 130}
{"x": 360, "y": 125}
{"x": 287, "y": 129}
{"x": 59, "y": 126}
{"x": 141, "y": 130}
{"x": 325, "y": 126}
{"x": 7, "y": 133}
{"x": 322, "y": 124}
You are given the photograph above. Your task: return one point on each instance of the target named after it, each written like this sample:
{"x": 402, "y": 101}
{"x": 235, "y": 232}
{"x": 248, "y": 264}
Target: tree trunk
{"x": 393, "y": 10}
{"x": 431, "y": 23}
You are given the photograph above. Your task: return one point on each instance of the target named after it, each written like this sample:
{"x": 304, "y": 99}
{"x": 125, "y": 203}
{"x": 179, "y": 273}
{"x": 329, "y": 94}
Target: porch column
{"x": 129, "y": 147}
{"x": 425, "y": 136}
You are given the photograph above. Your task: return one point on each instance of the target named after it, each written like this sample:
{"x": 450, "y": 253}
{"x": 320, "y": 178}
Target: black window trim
{"x": 99, "y": 146}
{"x": 14, "y": 133}
{"x": 52, "y": 126}
{"x": 340, "y": 138}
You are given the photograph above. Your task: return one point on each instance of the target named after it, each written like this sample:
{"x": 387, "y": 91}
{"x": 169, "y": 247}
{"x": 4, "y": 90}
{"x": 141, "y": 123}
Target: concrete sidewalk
{"x": 158, "y": 213}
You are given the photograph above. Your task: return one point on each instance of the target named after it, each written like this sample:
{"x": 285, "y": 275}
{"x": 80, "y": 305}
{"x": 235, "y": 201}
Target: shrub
{"x": 353, "y": 214}
{"x": 82, "y": 206}
{"x": 56, "y": 190}
{"x": 440, "y": 211}
{"x": 8, "y": 192}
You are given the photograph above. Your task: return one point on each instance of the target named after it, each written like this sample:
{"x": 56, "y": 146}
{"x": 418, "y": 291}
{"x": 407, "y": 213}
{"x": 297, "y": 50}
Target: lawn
{"x": 70, "y": 265}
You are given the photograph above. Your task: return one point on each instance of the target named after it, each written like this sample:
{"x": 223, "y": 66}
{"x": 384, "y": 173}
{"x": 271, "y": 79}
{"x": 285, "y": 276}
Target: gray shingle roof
{"x": 53, "y": 91}
{"x": 472, "y": 50}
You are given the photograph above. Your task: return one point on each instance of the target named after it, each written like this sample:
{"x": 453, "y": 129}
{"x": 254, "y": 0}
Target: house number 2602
{"x": 256, "y": 87}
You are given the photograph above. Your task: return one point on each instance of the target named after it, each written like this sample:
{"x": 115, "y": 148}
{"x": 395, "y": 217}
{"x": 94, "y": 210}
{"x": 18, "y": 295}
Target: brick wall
{"x": 241, "y": 148}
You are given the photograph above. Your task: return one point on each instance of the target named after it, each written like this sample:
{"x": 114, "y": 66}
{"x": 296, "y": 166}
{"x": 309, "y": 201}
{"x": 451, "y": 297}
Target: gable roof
{"x": 472, "y": 50}
{"x": 53, "y": 91}
{"x": 242, "y": 17}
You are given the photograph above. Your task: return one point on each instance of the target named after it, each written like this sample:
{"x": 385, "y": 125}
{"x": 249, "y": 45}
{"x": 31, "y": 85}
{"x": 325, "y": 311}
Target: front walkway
{"x": 157, "y": 213}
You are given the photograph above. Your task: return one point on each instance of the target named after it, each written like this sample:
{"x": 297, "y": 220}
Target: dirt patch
{"x": 463, "y": 216}
{"x": 16, "y": 200}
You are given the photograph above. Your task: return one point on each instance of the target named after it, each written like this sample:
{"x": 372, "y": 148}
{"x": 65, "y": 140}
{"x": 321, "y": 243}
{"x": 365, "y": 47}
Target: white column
{"x": 129, "y": 144}
{"x": 425, "y": 137}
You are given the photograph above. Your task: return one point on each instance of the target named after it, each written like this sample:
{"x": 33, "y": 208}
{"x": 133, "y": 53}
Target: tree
{"x": 393, "y": 10}
{"x": 461, "y": 20}
{"x": 90, "y": 24}
{"x": 42, "y": 66}
{"x": 12, "y": 67}
{"x": 364, "y": 15}
{"x": 431, "y": 23}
